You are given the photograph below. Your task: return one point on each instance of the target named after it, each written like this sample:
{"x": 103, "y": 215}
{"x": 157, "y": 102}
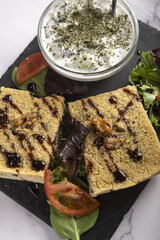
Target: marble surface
{"x": 18, "y": 25}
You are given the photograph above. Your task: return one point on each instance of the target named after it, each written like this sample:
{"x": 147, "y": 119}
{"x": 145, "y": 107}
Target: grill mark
{"x": 41, "y": 139}
{"x": 38, "y": 109}
{"x": 4, "y": 121}
{"x": 122, "y": 112}
{"x": 90, "y": 167}
{"x": 37, "y": 165}
{"x": 118, "y": 175}
{"x": 43, "y": 124}
{"x": 136, "y": 154}
{"x": 126, "y": 90}
{"x": 93, "y": 105}
{"x": 55, "y": 97}
{"x": 53, "y": 110}
{"x": 84, "y": 105}
{"x": 50, "y": 141}
{"x": 8, "y": 99}
{"x": 20, "y": 137}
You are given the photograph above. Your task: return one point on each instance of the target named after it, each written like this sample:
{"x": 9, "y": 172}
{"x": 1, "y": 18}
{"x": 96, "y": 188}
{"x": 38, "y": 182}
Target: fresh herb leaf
{"x": 154, "y": 113}
{"x": 71, "y": 151}
{"x": 78, "y": 181}
{"x": 59, "y": 85}
{"x": 59, "y": 174}
{"x": 82, "y": 172}
{"x": 154, "y": 120}
{"x": 63, "y": 139}
{"x": 148, "y": 93}
{"x": 39, "y": 80}
{"x": 69, "y": 227}
{"x": 156, "y": 54}
{"x": 146, "y": 77}
{"x": 146, "y": 71}
{"x": 56, "y": 161}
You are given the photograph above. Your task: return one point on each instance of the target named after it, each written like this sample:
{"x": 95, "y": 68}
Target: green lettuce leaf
{"x": 155, "y": 119}
{"x": 39, "y": 80}
{"x": 59, "y": 174}
{"x": 149, "y": 94}
{"x": 69, "y": 227}
{"x": 146, "y": 71}
{"x": 146, "y": 77}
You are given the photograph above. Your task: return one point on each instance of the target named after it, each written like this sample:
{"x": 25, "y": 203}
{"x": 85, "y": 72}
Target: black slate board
{"x": 114, "y": 204}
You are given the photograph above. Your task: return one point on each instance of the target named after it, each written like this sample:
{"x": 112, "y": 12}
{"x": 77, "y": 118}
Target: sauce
{"x": 8, "y": 99}
{"x": 99, "y": 142}
{"x": 4, "y": 121}
{"x": 93, "y": 105}
{"x": 118, "y": 175}
{"x": 40, "y": 139}
{"x": 122, "y": 112}
{"x": 13, "y": 160}
{"x": 84, "y": 105}
{"x": 85, "y": 37}
{"x": 32, "y": 87}
{"x": 37, "y": 165}
{"x": 53, "y": 110}
{"x": 90, "y": 167}
{"x": 135, "y": 155}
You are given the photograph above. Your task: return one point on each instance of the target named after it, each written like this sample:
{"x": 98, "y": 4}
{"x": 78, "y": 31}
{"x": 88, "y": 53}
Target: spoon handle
{"x": 114, "y": 7}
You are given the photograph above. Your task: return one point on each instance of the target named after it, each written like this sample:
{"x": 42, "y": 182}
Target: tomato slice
{"x": 68, "y": 198}
{"x": 158, "y": 96}
{"x": 31, "y": 66}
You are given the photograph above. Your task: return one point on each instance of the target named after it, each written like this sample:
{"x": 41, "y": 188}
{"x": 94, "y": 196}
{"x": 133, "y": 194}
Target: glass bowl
{"x": 74, "y": 74}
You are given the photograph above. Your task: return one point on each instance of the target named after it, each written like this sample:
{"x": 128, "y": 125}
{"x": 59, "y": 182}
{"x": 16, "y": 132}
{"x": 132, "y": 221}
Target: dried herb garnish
{"x": 85, "y": 27}
{"x": 88, "y": 28}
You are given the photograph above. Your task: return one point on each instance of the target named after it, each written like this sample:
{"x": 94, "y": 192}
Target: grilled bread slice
{"x": 28, "y": 130}
{"x": 122, "y": 148}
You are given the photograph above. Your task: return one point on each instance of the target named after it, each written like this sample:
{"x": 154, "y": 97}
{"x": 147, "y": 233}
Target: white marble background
{"x": 18, "y": 26}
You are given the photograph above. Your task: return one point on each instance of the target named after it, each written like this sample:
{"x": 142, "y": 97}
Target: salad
{"x": 146, "y": 77}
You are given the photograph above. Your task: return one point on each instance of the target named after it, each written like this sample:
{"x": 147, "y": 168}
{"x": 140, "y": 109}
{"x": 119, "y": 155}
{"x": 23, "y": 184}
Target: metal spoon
{"x": 114, "y": 7}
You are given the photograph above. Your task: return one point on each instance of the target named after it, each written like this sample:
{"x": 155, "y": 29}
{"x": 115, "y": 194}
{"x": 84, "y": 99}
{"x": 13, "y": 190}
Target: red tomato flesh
{"x": 158, "y": 96}
{"x": 68, "y": 198}
{"x": 31, "y": 66}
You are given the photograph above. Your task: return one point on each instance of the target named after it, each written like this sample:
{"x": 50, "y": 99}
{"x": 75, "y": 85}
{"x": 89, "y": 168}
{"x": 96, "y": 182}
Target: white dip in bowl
{"x": 83, "y": 41}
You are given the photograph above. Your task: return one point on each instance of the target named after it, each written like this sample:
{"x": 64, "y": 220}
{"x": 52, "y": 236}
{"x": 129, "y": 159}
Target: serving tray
{"x": 114, "y": 205}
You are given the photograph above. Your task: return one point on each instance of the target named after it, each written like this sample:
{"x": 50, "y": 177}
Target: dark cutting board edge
{"x": 115, "y": 204}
